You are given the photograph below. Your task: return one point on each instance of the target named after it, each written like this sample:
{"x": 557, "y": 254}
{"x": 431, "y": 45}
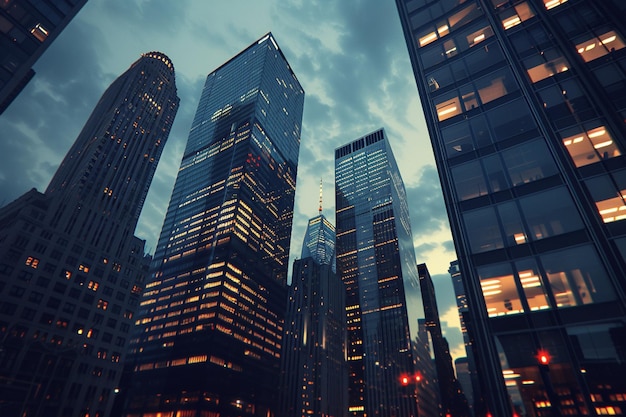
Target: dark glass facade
{"x": 314, "y": 370}
{"x": 71, "y": 271}
{"x": 209, "y": 333}
{"x": 524, "y": 102}
{"x": 27, "y": 28}
{"x": 376, "y": 261}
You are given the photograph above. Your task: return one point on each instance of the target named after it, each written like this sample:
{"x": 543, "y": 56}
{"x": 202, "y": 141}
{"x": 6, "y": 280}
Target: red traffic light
{"x": 543, "y": 357}
{"x": 404, "y": 380}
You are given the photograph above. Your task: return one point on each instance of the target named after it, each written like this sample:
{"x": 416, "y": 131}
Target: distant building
{"x": 525, "y": 103}
{"x": 71, "y": 271}
{"x": 27, "y": 28}
{"x": 453, "y": 402}
{"x": 464, "y": 376}
{"x": 314, "y": 371}
{"x": 426, "y": 382}
{"x": 210, "y": 329}
{"x": 473, "y": 394}
{"x": 376, "y": 261}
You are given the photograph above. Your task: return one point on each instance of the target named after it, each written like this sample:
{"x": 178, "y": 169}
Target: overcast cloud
{"x": 350, "y": 58}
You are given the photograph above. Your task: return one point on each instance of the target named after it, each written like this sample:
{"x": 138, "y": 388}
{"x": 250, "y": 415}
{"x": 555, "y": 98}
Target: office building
{"x": 428, "y": 402}
{"x": 27, "y": 28}
{"x": 376, "y": 261}
{"x": 472, "y": 391}
{"x": 525, "y": 106}
{"x": 464, "y": 376}
{"x": 453, "y": 402}
{"x": 210, "y": 327}
{"x": 71, "y": 271}
{"x": 314, "y": 371}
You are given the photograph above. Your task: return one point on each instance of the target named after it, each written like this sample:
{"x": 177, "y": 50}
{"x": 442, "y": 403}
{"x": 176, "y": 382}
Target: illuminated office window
{"x": 39, "y": 32}
{"x": 499, "y": 290}
{"x": 551, "y": 4}
{"x": 516, "y": 15}
{"x": 546, "y": 64}
{"x": 600, "y": 46}
{"x": 448, "y": 108}
{"x": 532, "y": 284}
{"x": 591, "y": 146}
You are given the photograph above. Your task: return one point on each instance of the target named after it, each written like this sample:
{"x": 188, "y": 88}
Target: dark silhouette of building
{"x": 453, "y": 401}
{"x": 472, "y": 390}
{"x": 525, "y": 107}
{"x": 211, "y": 321}
{"x": 71, "y": 271}
{"x": 27, "y": 28}
{"x": 426, "y": 382}
{"x": 375, "y": 259}
{"x": 464, "y": 376}
{"x": 314, "y": 371}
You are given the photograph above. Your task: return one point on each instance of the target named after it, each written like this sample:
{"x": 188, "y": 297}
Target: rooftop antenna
{"x": 320, "y": 208}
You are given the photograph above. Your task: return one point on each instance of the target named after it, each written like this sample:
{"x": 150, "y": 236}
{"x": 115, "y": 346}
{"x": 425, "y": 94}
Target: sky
{"x": 350, "y": 58}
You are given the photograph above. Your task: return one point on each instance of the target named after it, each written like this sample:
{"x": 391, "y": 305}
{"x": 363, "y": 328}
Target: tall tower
{"x": 524, "y": 102}
{"x": 314, "y": 369}
{"x": 376, "y": 261}
{"x": 210, "y": 328}
{"x": 27, "y": 28}
{"x": 71, "y": 271}
{"x": 453, "y": 402}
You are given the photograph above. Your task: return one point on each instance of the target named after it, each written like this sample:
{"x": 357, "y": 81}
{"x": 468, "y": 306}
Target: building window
{"x": 447, "y": 108}
{"x": 528, "y": 162}
{"x": 532, "y": 284}
{"x": 550, "y": 213}
{"x": 600, "y": 46}
{"x": 39, "y": 32}
{"x": 551, "y": 4}
{"x": 102, "y": 304}
{"x": 609, "y": 194}
{"x": 590, "y": 146}
{"x": 32, "y": 262}
{"x": 577, "y": 277}
{"x": 483, "y": 230}
{"x": 516, "y": 15}
{"x": 547, "y": 64}
{"x": 499, "y": 290}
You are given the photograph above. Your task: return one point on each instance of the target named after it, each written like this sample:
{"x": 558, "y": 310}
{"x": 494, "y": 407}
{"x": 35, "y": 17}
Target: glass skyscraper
{"x": 71, "y": 270}
{"x": 314, "y": 371}
{"x": 376, "y": 261}
{"x": 525, "y": 105}
{"x": 210, "y": 328}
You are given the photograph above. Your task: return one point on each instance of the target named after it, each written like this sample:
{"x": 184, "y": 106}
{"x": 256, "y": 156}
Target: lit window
{"x": 501, "y": 296}
{"x": 548, "y": 69}
{"x": 591, "y": 146}
{"x": 551, "y": 4}
{"x": 93, "y": 285}
{"x": 448, "y": 109}
{"x": 600, "y": 46}
{"x": 32, "y": 262}
{"x": 102, "y": 304}
{"x": 428, "y": 38}
{"x": 39, "y": 32}
{"x": 480, "y": 35}
{"x": 516, "y": 15}
{"x": 612, "y": 209}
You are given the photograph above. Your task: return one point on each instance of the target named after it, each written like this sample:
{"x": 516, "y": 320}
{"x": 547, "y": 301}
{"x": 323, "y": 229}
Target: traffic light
{"x": 543, "y": 357}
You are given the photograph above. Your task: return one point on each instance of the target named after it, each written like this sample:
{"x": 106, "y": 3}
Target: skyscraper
{"x": 314, "y": 370}
{"x": 524, "y": 102}
{"x": 453, "y": 402}
{"x": 71, "y": 271}
{"x": 376, "y": 261}
{"x": 210, "y": 328}
{"x": 27, "y": 28}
